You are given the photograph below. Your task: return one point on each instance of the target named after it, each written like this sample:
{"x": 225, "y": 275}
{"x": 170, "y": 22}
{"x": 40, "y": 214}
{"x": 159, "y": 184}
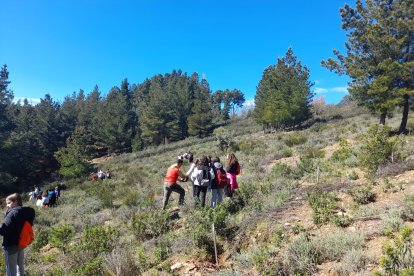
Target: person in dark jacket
{"x": 232, "y": 168}
{"x": 10, "y": 229}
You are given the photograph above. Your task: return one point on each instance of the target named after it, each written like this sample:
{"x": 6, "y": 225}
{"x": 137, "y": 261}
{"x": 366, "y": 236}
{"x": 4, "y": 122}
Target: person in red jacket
{"x": 170, "y": 183}
{"x": 10, "y": 229}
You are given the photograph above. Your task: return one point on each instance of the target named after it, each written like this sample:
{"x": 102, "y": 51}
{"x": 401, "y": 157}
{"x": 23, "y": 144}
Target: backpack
{"x": 204, "y": 177}
{"x": 26, "y": 235}
{"x": 238, "y": 169}
{"x": 222, "y": 179}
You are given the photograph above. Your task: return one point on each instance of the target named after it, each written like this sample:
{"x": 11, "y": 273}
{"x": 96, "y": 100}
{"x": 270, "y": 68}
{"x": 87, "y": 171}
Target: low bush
{"x": 398, "y": 258}
{"x": 295, "y": 139}
{"x": 408, "y": 208}
{"x": 41, "y": 239}
{"x": 362, "y": 194}
{"x": 61, "y": 235}
{"x": 323, "y": 206}
{"x": 99, "y": 239}
{"x": 150, "y": 224}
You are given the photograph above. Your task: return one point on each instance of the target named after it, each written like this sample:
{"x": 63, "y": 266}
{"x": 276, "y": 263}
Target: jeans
{"x": 197, "y": 191}
{"x": 168, "y": 189}
{"x": 216, "y": 197}
{"x": 14, "y": 260}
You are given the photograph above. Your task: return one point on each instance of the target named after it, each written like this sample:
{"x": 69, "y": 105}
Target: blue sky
{"x": 59, "y": 47}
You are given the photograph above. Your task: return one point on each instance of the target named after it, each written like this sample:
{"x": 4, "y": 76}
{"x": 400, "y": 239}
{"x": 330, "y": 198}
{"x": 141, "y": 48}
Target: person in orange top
{"x": 170, "y": 183}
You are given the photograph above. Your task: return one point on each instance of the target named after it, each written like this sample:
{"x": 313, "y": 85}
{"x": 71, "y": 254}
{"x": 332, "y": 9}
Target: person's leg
{"x": 167, "y": 193}
{"x": 20, "y": 262}
{"x": 203, "y": 196}
{"x": 178, "y": 189}
{"x": 219, "y": 196}
{"x": 196, "y": 195}
{"x": 214, "y": 197}
{"x": 10, "y": 258}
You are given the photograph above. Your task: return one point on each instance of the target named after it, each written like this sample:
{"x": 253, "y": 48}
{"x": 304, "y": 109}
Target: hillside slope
{"x": 304, "y": 206}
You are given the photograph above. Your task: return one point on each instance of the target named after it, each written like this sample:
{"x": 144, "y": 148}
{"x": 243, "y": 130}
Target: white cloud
{"x": 32, "y": 101}
{"x": 249, "y": 103}
{"x": 340, "y": 89}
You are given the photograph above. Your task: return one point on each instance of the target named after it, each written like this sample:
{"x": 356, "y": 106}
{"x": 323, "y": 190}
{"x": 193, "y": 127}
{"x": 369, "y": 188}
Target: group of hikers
{"x": 205, "y": 174}
{"x": 101, "y": 175}
{"x": 45, "y": 199}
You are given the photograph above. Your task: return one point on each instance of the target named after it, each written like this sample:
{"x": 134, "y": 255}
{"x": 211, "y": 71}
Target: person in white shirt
{"x": 201, "y": 177}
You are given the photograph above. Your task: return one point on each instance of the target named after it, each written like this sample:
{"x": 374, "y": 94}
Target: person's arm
{"x": 190, "y": 170}
{"x": 6, "y": 226}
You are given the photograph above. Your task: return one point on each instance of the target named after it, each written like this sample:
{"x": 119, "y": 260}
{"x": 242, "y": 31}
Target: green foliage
{"x": 408, "y": 208}
{"x": 61, "y": 235}
{"x": 398, "y": 255}
{"x": 376, "y": 58}
{"x": 150, "y": 224}
{"x": 74, "y": 157}
{"x": 362, "y": 194}
{"x": 104, "y": 192}
{"x": 99, "y": 239}
{"x": 91, "y": 268}
{"x": 295, "y": 139}
{"x": 353, "y": 175}
{"x": 323, "y": 206}
{"x": 283, "y": 95}
{"x": 41, "y": 239}
{"x": 376, "y": 148}
{"x": 162, "y": 250}
{"x": 225, "y": 140}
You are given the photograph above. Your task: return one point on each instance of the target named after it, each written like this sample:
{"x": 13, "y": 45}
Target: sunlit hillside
{"x": 322, "y": 200}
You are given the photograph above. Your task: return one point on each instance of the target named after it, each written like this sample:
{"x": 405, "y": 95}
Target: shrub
{"x": 295, "y": 139}
{"x": 61, "y": 235}
{"x": 408, "y": 208}
{"x": 150, "y": 224}
{"x": 99, "y": 239}
{"x": 392, "y": 221}
{"x": 311, "y": 153}
{"x": 323, "y": 206}
{"x": 104, "y": 192}
{"x": 119, "y": 262}
{"x": 376, "y": 148}
{"x": 353, "y": 175}
{"x": 362, "y": 194}
{"x": 91, "y": 268}
{"x": 41, "y": 239}
{"x": 162, "y": 250}
{"x": 398, "y": 255}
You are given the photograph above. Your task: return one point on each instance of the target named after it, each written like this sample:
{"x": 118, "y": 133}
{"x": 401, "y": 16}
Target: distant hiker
{"x": 232, "y": 168}
{"x": 39, "y": 201}
{"x": 45, "y": 199}
{"x": 10, "y": 229}
{"x": 32, "y": 197}
{"x": 57, "y": 191}
{"x": 36, "y": 191}
{"x": 218, "y": 183}
{"x": 202, "y": 176}
{"x": 100, "y": 174}
{"x": 107, "y": 174}
{"x": 93, "y": 176}
{"x": 52, "y": 198}
{"x": 170, "y": 183}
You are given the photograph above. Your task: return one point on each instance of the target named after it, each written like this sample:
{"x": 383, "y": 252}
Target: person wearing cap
{"x": 170, "y": 183}
{"x": 216, "y": 191}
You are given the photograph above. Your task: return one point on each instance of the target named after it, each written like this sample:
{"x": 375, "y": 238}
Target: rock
{"x": 176, "y": 266}
{"x": 190, "y": 267}
{"x": 352, "y": 229}
{"x": 287, "y": 224}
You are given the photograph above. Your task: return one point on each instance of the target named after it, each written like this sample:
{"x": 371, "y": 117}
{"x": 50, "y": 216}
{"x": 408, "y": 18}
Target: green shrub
{"x": 295, "y": 139}
{"x": 150, "y": 224}
{"x": 392, "y": 221}
{"x": 323, "y": 206}
{"x": 104, "y": 192}
{"x": 408, "y": 208}
{"x": 91, "y": 268}
{"x": 376, "y": 148}
{"x": 61, "y": 235}
{"x": 311, "y": 153}
{"x": 99, "y": 239}
{"x": 353, "y": 175}
{"x": 41, "y": 239}
{"x": 162, "y": 250}
{"x": 398, "y": 255}
{"x": 362, "y": 194}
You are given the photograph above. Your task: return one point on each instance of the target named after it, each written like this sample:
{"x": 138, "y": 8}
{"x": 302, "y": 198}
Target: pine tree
{"x": 283, "y": 95}
{"x": 200, "y": 121}
{"x": 379, "y": 55}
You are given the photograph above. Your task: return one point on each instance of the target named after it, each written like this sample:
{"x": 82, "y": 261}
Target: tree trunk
{"x": 382, "y": 118}
{"x": 404, "y": 118}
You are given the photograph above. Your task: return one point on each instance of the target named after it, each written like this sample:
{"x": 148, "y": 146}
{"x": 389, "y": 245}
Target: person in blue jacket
{"x": 10, "y": 229}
